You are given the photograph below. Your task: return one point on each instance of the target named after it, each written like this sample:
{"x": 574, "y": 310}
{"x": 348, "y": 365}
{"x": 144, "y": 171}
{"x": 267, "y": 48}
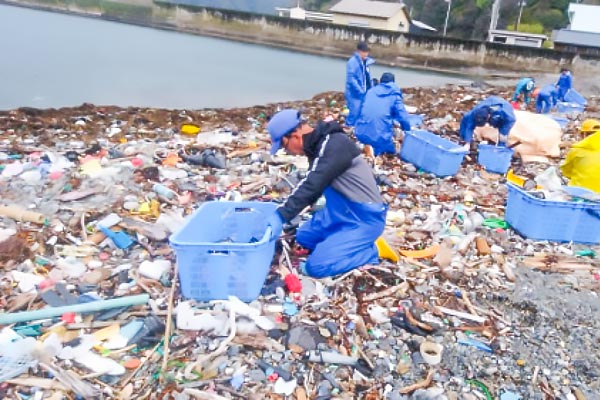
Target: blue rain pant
{"x": 544, "y": 103}
{"x": 341, "y": 235}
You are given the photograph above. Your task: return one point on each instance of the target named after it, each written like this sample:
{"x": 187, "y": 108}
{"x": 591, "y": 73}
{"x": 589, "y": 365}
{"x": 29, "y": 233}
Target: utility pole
{"x": 522, "y": 3}
{"x": 495, "y": 14}
{"x": 447, "y": 15}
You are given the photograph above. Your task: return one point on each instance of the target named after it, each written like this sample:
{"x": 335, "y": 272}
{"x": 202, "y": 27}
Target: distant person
{"x": 493, "y": 111}
{"x": 375, "y": 82}
{"x": 546, "y": 99}
{"x": 564, "y": 83}
{"x": 358, "y": 81}
{"x": 382, "y": 108}
{"x": 341, "y": 236}
{"x": 524, "y": 89}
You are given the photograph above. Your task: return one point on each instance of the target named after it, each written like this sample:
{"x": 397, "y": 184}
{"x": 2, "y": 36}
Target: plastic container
{"x": 415, "y": 120}
{"x": 557, "y": 221}
{"x": 572, "y": 96}
{"x": 494, "y": 158}
{"x": 569, "y": 108}
{"x": 562, "y": 121}
{"x": 432, "y": 153}
{"x": 225, "y": 249}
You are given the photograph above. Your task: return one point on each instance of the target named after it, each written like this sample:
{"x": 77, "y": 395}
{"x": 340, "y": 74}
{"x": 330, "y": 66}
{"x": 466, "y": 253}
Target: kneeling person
{"x": 342, "y": 235}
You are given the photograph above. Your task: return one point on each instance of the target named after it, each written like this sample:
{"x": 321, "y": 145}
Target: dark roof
{"x": 367, "y": 8}
{"x": 577, "y": 38}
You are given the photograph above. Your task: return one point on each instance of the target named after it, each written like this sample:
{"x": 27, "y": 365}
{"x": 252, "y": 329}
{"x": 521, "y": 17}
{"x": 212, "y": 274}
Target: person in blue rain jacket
{"x": 494, "y": 111}
{"x": 358, "y": 81}
{"x": 524, "y": 87}
{"x": 382, "y": 107}
{"x": 546, "y": 99}
{"x": 564, "y": 83}
{"x": 341, "y": 236}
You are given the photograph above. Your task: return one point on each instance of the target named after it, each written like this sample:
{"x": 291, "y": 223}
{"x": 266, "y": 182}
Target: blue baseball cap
{"x": 282, "y": 124}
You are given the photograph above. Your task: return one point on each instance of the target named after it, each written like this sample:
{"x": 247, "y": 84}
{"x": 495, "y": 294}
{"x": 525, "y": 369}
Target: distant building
{"x": 516, "y": 38}
{"x": 584, "y": 18}
{"x": 371, "y": 14}
{"x": 583, "y": 33}
{"x": 362, "y": 13}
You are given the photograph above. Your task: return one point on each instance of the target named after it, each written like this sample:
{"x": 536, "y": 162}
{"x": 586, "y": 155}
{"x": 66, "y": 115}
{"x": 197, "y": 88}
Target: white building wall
{"x": 584, "y": 17}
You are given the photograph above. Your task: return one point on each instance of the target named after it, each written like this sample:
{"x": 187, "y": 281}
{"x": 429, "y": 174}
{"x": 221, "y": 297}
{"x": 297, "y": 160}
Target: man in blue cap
{"x": 358, "y": 81}
{"x": 341, "y": 236}
{"x": 382, "y": 107}
{"x": 494, "y": 111}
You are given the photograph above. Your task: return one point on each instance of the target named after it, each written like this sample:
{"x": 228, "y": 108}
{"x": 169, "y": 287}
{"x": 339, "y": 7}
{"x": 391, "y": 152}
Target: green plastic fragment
{"x": 481, "y": 387}
{"x": 495, "y": 223}
{"x": 41, "y": 261}
{"x": 586, "y": 253}
{"x": 29, "y": 330}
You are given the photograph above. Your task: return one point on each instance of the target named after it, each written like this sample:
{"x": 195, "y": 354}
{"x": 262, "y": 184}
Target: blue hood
{"x": 387, "y": 89}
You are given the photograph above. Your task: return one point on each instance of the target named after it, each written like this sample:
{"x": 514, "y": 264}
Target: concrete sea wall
{"x": 391, "y": 48}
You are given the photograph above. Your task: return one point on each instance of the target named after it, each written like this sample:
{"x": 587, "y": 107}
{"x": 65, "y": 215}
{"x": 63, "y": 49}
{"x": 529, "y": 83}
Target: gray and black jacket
{"x": 334, "y": 160}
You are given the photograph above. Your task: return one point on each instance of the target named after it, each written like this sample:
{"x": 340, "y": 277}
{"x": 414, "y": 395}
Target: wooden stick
{"x": 419, "y": 385}
{"x": 202, "y": 395}
{"x": 414, "y": 321}
{"x": 461, "y": 315}
{"x": 167, "y": 339}
{"x": 468, "y": 304}
{"x": 387, "y": 292}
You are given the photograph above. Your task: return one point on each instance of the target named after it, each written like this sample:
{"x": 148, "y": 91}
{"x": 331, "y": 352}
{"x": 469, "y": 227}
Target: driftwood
{"x": 419, "y": 385}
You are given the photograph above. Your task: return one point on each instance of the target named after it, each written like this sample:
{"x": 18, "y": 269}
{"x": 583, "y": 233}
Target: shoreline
{"x": 474, "y": 73}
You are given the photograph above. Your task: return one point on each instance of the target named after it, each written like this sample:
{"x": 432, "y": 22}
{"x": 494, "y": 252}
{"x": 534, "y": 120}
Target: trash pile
{"x": 462, "y": 308}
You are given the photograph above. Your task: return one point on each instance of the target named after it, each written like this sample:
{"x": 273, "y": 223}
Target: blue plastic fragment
{"x": 290, "y": 309}
{"x": 237, "y": 381}
{"x": 476, "y": 343}
{"x": 509, "y": 396}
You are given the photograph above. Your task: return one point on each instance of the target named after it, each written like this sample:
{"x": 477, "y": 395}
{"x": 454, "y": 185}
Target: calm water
{"x": 55, "y": 60}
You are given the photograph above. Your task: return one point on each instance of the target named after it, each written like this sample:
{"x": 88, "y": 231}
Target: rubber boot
{"x": 386, "y": 251}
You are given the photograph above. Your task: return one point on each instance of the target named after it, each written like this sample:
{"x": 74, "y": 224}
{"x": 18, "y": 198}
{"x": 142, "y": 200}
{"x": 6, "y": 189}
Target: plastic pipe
{"x": 21, "y": 214}
{"x": 330, "y": 357}
{"x": 50, "y": 312}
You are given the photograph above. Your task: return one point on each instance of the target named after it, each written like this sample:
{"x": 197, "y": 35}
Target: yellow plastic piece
{"x": 386, "y": 251}
{"x": 144, "y": 208}
{"x": 190, "y": 129}
{"x": 582, "y": 165}
{"x": 429, "y": 252}
{"x": 517, "y": 180}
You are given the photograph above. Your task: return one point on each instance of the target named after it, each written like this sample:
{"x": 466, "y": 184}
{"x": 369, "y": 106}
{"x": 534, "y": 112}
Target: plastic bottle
{"x": 163, "y": 191}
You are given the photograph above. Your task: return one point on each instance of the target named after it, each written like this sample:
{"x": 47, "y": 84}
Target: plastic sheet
{"x": 540, "y": 136}
{"x": 582, "y": 165}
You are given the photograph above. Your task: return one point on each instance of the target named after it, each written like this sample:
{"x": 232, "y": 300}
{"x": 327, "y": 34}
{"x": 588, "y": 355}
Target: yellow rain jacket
{"x": 582, "y": 165}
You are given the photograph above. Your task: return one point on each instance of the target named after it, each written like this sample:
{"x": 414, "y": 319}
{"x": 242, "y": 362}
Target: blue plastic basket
{"x": 562, "y": 121}
{"x": 572, "y": 96}
{"x": 225, "y": 249}
{"x": 569, "y": 108}
{"x": 556, "y": 221}
{"x": 415, "y": 120}
{"x": 432, "y": 153}
{"x": 494, "y": 158}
